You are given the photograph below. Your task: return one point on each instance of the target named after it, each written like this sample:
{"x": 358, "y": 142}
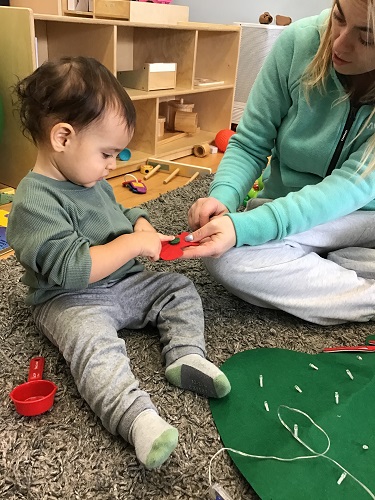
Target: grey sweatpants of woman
{"x": 84, "y": 326}
{"x": 325, "y": 275}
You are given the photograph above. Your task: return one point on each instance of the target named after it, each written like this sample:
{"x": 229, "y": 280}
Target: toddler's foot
{"x": 153, "y": 439}
{"x": 197, "y": 374}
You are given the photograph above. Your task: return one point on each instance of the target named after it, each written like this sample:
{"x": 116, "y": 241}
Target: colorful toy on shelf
{"x": 172, "y": 250}
{"x": 135, "y": 185}
{"x": 222, "y": 139}
{"x": 125, "y": 154}
{"x": 253, "y": 193}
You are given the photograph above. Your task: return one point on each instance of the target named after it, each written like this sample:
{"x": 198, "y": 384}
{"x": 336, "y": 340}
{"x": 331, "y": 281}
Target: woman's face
{"x": 353, "y": 41}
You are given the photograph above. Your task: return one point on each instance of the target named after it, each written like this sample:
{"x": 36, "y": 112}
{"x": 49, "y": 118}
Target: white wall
{"x": 248, "y": 11}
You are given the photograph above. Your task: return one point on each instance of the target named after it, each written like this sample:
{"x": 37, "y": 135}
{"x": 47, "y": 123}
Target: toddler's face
{"x": 92, "y": 152}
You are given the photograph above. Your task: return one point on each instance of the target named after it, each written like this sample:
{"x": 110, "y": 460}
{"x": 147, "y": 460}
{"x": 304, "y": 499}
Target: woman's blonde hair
{"x": 316, "y": 73}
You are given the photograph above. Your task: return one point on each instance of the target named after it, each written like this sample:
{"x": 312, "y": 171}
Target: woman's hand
{"x": 215, "y": 238}
{"x": 203, "y": 210}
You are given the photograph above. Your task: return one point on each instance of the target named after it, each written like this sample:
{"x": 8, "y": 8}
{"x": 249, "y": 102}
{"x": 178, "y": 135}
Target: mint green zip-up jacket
{"x": 302, "y": 138}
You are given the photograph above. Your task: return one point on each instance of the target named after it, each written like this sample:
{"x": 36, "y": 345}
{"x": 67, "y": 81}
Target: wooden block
{"x": 201, "y": 150}
{"x": 53, "y": 7}
{"x": 186, "y": 121}
{"x": 139, "y": 12}
{"x": 160, "y": 126}
{"x": 114, "y": 9}
{"x": 152, "y": 76}
{"x": 171, "y": 136}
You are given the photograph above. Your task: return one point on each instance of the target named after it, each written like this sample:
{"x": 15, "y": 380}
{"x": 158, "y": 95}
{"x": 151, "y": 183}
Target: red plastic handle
{"x": 36, "y": 369}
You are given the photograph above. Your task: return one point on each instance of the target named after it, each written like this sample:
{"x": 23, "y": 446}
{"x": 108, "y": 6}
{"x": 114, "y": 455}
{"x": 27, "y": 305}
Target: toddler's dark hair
{"x": 75, "y": 90}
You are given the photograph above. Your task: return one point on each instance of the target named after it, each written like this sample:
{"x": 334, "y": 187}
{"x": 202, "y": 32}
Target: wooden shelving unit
{"x": 200, "y": 50}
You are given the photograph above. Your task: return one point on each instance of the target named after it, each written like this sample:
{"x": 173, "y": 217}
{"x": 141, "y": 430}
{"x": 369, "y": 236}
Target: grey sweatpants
{"x": 325, "y": 275}
{"x": 84, "y": 326}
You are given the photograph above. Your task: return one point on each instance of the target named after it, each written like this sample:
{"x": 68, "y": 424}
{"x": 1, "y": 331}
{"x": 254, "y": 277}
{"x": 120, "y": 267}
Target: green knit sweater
{"x": 52, "y": 226}
{"x": 302, "y": 139}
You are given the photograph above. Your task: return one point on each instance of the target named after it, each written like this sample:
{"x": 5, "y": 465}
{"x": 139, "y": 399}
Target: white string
{"x": 280, "y": 459}
{"x": 130, "y": 175}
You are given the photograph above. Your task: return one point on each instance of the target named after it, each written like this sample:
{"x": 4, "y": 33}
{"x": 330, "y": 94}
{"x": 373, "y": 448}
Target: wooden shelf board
{"x": 137, "y": 95}
{"x": 179, "y": 26}
{"x": 183, "y": 143}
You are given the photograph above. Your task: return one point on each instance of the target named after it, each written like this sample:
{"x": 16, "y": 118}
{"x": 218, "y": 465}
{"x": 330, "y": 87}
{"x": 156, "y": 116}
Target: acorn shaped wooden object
{"x": 283, "y": 20}
{"x": 265, "y": 18}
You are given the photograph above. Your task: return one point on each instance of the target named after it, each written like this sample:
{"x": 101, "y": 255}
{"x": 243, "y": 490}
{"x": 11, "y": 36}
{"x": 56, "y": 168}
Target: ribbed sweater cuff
{"x": 254, "y": 227}
{"x": 228, "y": 196}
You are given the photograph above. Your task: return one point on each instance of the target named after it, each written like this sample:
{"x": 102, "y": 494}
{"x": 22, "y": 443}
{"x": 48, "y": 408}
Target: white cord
{"x": 280, "y": 459}
{"x": 130, "y": 176}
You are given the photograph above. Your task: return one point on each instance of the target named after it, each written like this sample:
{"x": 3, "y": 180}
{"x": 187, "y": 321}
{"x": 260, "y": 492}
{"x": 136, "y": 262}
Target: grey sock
{"x": 197, "y": 374}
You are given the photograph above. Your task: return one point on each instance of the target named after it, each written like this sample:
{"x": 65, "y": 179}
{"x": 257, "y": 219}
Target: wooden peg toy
{"x": 152, "y": 172}
{"x": 171, "y": 176}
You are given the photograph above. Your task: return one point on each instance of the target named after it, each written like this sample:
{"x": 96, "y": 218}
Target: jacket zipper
{"x": 340, "y": 146}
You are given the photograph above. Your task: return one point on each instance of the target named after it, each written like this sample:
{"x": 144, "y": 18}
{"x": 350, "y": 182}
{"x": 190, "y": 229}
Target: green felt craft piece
{"x": 244, "y": 423}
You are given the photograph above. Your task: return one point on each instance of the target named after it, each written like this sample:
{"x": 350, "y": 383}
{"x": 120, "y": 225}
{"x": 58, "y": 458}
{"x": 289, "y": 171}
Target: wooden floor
{"x": 155, "y": 185}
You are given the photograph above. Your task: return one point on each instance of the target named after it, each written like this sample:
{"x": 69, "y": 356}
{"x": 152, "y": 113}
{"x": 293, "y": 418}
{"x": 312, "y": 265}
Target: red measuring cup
{"x": 35, "y": 396}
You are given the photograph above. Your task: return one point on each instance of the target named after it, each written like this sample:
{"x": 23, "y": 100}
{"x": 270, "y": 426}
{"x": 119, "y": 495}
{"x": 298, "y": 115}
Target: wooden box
{"x": 139, "y": 12}
{"x": 54, "y": 7}
{"x": 152, "y": 76}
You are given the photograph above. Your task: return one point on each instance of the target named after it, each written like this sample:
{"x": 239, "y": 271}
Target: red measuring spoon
{"x": 35, "y": 396}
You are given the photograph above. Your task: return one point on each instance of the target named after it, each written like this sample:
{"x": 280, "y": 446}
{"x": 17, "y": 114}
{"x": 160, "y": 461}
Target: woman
{"x": 305, "y": 244}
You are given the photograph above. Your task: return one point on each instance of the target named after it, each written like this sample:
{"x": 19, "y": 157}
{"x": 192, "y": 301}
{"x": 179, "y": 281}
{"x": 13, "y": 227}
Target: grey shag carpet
{"x": 67, "y": 454}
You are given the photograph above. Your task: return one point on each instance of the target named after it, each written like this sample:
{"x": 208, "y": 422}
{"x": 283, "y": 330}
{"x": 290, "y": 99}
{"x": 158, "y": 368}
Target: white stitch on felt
{"x": 341, "y": 478}
{"x": 350, "y": 375}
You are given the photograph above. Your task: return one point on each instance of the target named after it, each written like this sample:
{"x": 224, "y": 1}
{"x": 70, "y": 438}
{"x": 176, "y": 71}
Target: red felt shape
{"x": 173, "y": 252}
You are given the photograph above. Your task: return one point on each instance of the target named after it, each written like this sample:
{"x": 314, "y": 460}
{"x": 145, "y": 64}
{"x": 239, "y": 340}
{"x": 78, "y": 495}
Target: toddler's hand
{"x": 149, "y": 243}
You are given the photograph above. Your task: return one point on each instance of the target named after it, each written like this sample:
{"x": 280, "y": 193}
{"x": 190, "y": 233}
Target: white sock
{"x": 153, "y": 438}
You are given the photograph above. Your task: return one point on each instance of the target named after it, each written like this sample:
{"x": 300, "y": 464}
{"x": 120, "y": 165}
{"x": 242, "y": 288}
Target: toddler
{"x": 79, "y": 248}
